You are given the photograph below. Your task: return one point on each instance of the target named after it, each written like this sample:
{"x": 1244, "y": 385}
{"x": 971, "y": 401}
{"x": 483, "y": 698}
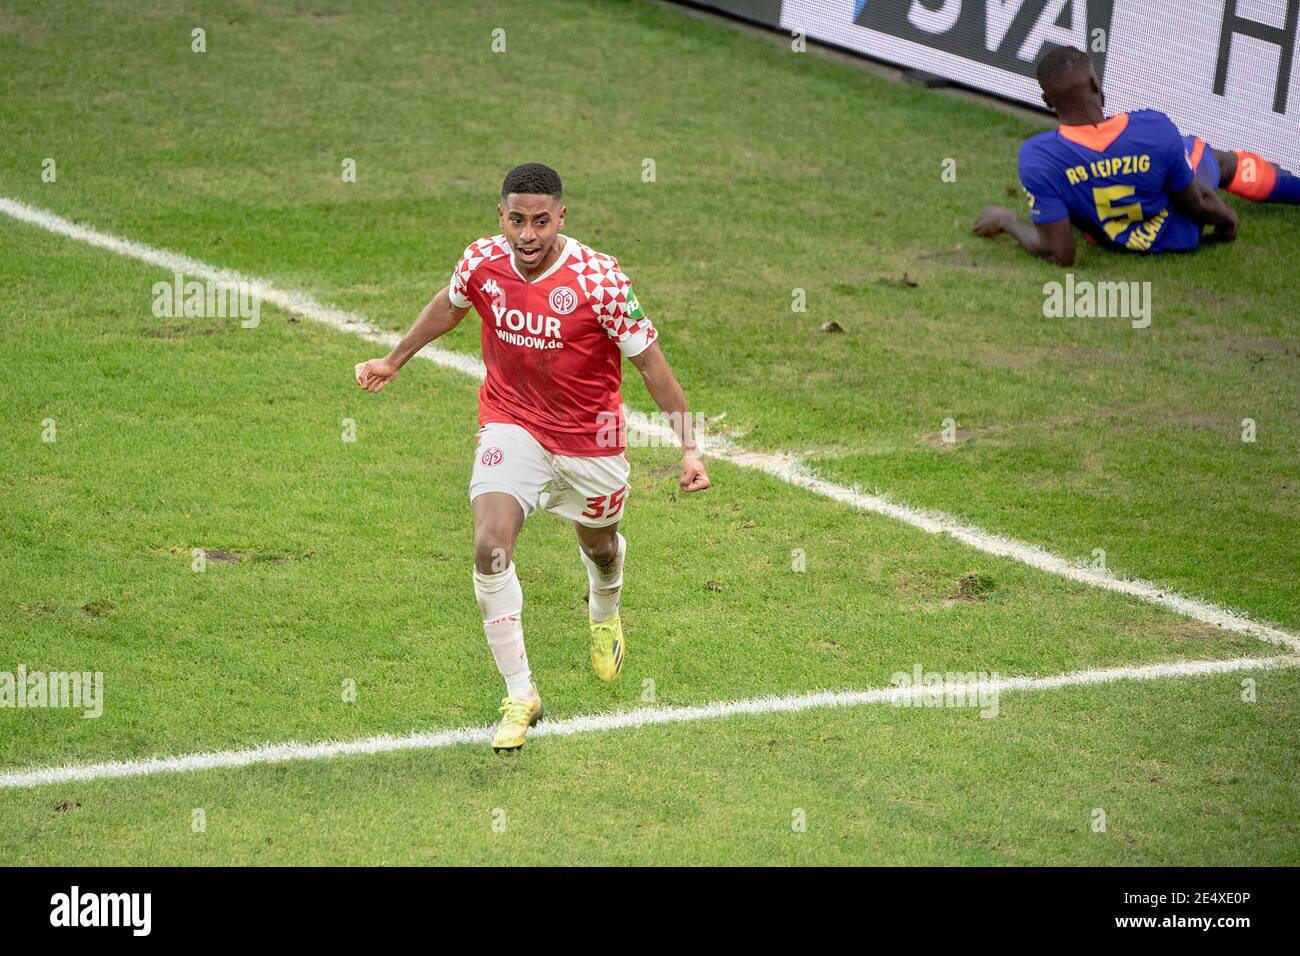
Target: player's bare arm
{"x": 1201, "y": 204}
{"x": 667, "y": 393}
{"x": 437, "y": 318}
{"x": 1053, "y": 241}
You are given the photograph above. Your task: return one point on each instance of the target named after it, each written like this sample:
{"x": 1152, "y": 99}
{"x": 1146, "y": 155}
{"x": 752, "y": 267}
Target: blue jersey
{"x": 1114, "y": 180}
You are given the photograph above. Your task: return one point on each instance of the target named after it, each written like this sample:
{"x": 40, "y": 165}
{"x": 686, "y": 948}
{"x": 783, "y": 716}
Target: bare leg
{"x": 497, "y": 520}
{"x": 602, "y": 553}
{"x": 599, "y": 544}
{"x": 1227, "y": 166}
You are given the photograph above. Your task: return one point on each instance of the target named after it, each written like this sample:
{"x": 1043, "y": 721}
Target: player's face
{"x": 531, "y": 225}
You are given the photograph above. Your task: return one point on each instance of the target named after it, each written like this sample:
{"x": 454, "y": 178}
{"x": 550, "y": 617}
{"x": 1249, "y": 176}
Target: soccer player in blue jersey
{"x": 1131, "y": 182}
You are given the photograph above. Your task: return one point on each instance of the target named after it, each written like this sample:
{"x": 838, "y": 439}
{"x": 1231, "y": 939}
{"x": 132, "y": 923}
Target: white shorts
{"x": 589, "y": 490}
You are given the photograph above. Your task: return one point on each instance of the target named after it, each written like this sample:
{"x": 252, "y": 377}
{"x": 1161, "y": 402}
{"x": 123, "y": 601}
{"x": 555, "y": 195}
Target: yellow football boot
{"x": 607, "y": 647}
{"x": 517, "y": 715}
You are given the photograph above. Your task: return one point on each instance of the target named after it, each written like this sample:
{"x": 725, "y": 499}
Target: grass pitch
{"x": 349, "y": 562}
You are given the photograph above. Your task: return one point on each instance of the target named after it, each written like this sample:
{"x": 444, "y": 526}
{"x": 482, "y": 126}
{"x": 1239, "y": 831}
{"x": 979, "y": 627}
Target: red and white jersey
{"x": 552, "y": 346}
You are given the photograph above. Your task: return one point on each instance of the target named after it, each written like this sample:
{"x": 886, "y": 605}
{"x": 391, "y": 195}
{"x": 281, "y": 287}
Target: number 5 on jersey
{"x": 1115, "y": 219}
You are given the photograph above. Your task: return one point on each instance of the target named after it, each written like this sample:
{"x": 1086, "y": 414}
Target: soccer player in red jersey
{"x": 557, "y": 318}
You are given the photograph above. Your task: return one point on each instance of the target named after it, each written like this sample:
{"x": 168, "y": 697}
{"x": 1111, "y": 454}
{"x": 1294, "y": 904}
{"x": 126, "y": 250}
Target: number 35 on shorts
{"x": 605, "y": 506}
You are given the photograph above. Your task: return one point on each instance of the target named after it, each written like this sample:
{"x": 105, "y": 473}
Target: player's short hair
{"x": 1057, "y": 72}
{"x": 535, "y": 179}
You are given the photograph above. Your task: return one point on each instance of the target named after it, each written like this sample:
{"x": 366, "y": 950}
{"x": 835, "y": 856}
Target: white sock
{"x": 502, "y": 602}
{"x": 606, "y": 585}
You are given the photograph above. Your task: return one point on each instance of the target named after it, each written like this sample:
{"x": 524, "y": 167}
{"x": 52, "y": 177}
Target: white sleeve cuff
{"x": 635, "y": 344}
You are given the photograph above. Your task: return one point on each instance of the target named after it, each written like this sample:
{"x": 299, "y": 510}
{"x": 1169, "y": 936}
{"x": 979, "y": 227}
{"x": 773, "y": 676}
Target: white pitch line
{"x": 299, "y": 303}
{"x": 599, "y": 723}
{"x": 783, "y": 466}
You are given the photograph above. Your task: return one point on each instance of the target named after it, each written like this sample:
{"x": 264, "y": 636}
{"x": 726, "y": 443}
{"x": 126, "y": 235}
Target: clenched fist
{"x": 693, "y": 476}
{"x": 375, "y": 374}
